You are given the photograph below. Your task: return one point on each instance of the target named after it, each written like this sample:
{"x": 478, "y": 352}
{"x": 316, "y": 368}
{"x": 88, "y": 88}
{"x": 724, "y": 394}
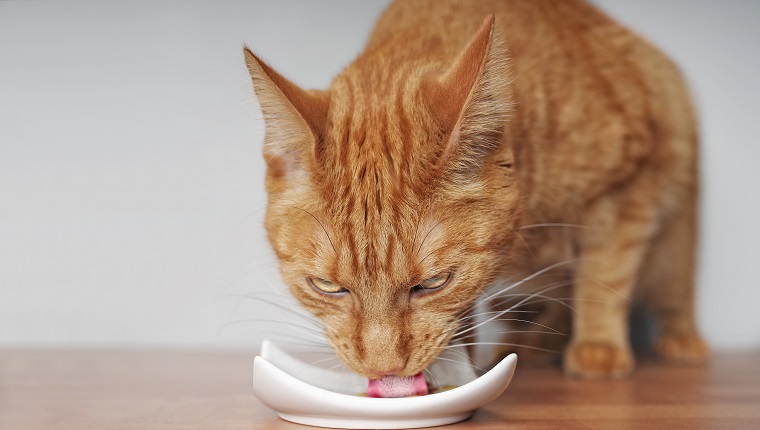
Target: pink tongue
{"x": 397, "y": 386}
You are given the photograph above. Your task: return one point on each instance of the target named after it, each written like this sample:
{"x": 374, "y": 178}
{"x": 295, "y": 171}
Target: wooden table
{"x": 179, "y": 390}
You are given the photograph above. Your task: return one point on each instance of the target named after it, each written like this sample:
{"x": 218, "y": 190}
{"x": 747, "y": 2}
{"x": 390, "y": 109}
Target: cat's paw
{"x": 595, "y": 360}
{"x": 682, "y": 349}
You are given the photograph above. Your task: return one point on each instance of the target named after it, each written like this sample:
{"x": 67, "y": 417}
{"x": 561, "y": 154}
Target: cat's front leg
{"x": 611, "y": 252}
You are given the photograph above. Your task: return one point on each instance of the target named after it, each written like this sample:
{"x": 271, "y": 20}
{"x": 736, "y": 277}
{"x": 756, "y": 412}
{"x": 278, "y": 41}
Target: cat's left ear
{"x": 471, "y": 100}
{"x": 294, "y": 118}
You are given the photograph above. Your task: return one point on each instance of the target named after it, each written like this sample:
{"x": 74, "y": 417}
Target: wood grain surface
{"x": 181, "y": 390}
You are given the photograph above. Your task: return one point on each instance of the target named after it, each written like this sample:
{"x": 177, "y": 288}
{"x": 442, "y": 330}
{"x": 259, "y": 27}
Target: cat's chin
{"x": 320, "y": 367}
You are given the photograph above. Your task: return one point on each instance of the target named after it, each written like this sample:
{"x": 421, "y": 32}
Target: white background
{"x": 131, "y": 181}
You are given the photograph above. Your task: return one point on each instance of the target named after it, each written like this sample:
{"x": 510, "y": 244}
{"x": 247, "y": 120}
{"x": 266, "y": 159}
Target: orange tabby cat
{"x": 477, "y": 142}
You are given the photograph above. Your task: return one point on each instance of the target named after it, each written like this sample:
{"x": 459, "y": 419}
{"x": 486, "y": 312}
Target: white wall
{"x": 131, "y": 177}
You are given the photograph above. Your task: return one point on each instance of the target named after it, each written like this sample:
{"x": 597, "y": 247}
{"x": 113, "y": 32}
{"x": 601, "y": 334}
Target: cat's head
{"x": 392, "y": 202}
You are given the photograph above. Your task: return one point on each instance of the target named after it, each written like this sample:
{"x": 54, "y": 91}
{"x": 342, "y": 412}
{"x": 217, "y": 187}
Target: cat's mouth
{"x": 447, "y": 371}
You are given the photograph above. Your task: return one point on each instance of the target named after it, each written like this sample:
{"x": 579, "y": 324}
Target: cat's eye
{"x": 325, "y": 286}
{"x": 434, "y": 283}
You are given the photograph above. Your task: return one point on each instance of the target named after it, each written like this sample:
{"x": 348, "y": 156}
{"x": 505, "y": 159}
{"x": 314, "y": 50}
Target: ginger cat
{"x": 483, "y": 143}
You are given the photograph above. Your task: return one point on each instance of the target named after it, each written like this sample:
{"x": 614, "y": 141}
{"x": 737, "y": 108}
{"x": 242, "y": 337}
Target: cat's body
{"x": 440, "y": 159}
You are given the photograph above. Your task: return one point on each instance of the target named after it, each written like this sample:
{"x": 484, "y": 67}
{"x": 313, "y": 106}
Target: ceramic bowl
{"x": 302, "y": 387}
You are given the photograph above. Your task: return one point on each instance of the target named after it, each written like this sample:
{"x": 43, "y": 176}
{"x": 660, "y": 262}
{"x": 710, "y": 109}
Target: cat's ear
{"x": 470, "y": 101}
{"x": 294, "y": 118}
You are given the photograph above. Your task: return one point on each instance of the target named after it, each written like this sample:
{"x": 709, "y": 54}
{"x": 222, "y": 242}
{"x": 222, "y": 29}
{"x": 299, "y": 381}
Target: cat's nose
{"x": 380, "y": 372}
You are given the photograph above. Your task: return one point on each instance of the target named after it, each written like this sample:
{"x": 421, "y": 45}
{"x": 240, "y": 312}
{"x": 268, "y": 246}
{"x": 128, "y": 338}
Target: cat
{"x": 535, "y": 146}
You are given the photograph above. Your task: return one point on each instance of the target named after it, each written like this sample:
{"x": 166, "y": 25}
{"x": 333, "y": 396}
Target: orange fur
{"x": 439, "y": 150}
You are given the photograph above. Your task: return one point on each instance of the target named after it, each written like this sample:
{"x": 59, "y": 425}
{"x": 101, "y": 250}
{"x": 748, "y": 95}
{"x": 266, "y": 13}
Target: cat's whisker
{"x": 321, "y": 225}
{"x": 612, "y": 290}
{"x": 429, "y": 254}
{"x": 507, "y": 310}
{"x": 480, "y": 314}
{"x": 557, "y": 333}
{"x": 489, "y": 297}
{"x": 509, "y": 344}
{"x": 305, "y": 344}
{"x": 290, "y": 338}
{"x": 323, "y": 360}
{"x": 426, "y": 237}
{"x": 512, "y": 296}
{"x": 248, "y": 272}
{"x": 335, "y": 366}
{"x": 317, "y": 334}
{"x": 247, "y": 217}
{"x": 528, "y": 278}
{"x": 473, "y": 321}
{"x": 307, "y": 317}
{"x": 314, "y": 364}
{"x": 303, "y": 337}
{"x": 456, "y": 336}
{"x": 566, "y": 282}
{"x": 556, "y": 224}
{"x": 472, "y": 324}
{"x": 561, "y": 301}
{"x": 525, "y": 243}
{"x": 434, "y": 380}
{"x": 469, "y": 363}
{"x": 459, "y": 351}
{"x": 538, "y": 299}
{"x": 417, "y": 229}
{"x": 288, "y": 305}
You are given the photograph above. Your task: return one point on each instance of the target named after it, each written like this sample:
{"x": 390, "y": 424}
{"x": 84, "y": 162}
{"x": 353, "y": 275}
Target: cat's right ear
{"x": 294, "y": 118}
{"x": 471, "y": 100}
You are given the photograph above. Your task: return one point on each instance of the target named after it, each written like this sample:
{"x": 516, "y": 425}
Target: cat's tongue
{"x": 398, "y": 386}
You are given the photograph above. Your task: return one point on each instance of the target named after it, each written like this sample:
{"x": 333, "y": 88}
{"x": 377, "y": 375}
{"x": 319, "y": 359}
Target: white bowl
{"x": 304, "y": 391}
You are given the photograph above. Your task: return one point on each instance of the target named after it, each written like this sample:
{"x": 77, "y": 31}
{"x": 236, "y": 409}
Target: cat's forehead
{"x": 391, "y": 252}
{"x": 377, "y": 133}
{"x": 378, "y": 97}
{"x": 365, "y": 107}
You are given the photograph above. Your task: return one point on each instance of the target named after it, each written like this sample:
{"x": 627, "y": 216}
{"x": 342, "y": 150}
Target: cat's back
{"x": 594, "y": 103}
{"x": 438, "y": 29}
